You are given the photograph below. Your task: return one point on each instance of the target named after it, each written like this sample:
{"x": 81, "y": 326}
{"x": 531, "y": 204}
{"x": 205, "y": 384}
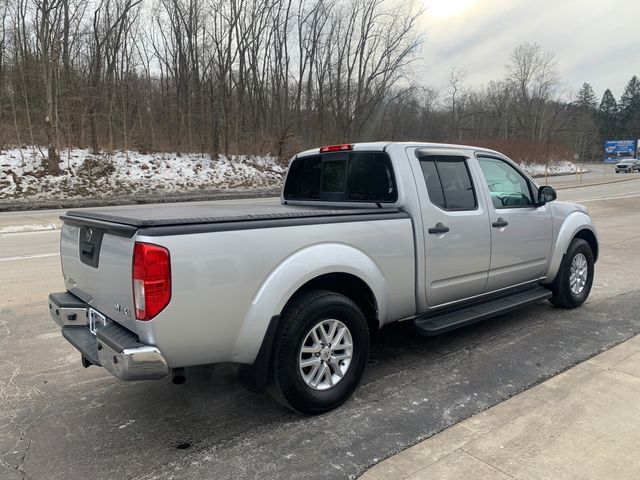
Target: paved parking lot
{"x": 59, "y": 421}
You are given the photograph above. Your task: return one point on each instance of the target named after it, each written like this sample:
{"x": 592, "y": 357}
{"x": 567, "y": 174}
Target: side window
{"x": 507, "y": 187}
{"x": 448, "y": 182}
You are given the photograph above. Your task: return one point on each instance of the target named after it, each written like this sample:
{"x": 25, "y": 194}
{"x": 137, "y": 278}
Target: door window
{"x": 507, "y": 186}
{"x": 448, "y": 182}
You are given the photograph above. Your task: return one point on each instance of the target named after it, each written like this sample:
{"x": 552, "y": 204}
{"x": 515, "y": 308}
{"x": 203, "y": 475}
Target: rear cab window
{"x": 342, "y": 177}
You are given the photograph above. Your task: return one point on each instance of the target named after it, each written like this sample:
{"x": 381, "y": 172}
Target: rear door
{"x": 455, "y": 227}
{"x": 521, "y": 232}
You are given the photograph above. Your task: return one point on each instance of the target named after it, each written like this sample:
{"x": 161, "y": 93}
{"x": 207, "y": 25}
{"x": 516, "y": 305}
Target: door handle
{"x": 439, "y": 228}
{"x": 501, "y": 222}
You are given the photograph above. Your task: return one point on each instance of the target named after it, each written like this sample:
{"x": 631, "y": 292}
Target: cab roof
{"x": 382, "y": 146}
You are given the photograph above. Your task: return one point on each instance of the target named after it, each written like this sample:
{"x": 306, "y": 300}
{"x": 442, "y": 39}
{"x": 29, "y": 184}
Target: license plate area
{"x": 96, "y": 319}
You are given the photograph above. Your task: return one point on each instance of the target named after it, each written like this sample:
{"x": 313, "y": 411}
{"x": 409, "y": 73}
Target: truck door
{"x": 521, "y": 232}
{"x": 455, "y": 226}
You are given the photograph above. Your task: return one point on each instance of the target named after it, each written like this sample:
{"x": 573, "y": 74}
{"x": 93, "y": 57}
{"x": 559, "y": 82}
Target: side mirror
{"x": 546, "y": 194}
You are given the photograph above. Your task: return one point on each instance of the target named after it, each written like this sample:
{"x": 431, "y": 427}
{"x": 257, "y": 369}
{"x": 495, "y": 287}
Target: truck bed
{"x": 216, "y": 216}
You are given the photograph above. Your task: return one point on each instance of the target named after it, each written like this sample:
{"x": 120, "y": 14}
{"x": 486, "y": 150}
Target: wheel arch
{"x": 589, "y": 237}
{"x": 576, "y": 225}
{"x": 330, "y": 266}
{"x": 352, "y": 287}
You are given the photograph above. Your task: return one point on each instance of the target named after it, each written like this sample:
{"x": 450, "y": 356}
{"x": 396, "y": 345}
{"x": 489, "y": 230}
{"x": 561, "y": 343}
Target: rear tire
{"x": 573, "y": 283}
{"x": 302, "y": 352}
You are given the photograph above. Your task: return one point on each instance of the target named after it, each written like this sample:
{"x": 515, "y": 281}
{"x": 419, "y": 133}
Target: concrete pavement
{"x": 581, "y": 424}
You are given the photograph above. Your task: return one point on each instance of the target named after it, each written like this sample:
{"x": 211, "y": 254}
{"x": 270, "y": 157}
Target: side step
{"x": 436, "y": 324}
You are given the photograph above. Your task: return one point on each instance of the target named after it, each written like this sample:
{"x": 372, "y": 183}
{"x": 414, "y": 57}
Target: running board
{"x": 436, "y": 324}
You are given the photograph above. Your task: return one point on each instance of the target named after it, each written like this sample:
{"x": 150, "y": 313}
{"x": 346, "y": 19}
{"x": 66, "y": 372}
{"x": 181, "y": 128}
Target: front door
{"x": 521, "y": 232}
{"x": 455, "y": 227}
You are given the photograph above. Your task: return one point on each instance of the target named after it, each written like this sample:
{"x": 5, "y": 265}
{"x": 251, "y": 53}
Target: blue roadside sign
{"x": 615, "y": 150}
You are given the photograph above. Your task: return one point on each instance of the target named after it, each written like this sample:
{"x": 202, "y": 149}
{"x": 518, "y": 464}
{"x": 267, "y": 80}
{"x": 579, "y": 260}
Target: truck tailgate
{"x": 96, "y": 264}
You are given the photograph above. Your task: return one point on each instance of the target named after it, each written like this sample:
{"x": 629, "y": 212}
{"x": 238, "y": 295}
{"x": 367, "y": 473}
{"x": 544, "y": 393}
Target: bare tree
{"x": 534, "y": 75}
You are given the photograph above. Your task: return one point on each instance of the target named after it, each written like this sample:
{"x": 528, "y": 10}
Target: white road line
{"x": 598, "y": 199}
{"x": 26, "y": 257}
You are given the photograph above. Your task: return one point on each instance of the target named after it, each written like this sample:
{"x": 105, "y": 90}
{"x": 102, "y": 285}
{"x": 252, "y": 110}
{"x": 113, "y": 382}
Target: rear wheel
{"x": 320, "y": 352}
{"x": 575, "y": 277}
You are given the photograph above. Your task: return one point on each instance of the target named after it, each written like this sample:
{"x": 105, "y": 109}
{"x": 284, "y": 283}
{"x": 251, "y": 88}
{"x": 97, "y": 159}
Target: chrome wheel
{"x": 578, "y": 274}
{"x": 325, "y": 354}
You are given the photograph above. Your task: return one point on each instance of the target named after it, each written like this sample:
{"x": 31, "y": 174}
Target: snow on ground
{"x": 555, "y": 168}
{"x": 33, "y": 227}
{"x": 130, "y": 173}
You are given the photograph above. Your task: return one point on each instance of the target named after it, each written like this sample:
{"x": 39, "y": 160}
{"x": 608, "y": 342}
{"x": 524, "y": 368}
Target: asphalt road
{"x": 60, "y": 421}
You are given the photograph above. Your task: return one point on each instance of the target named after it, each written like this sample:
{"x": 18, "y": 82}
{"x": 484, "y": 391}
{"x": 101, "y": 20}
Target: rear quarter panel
{"x": 226, "y": 286}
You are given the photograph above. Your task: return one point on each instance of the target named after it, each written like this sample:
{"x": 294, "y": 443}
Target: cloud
{"x": 594, "y": 41}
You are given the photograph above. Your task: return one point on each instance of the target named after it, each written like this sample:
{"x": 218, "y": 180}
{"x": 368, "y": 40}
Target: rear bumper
{"x": 112, "y": 346}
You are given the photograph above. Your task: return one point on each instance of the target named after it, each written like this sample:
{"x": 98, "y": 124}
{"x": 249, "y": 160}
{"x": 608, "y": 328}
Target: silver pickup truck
{"x": 440, "y": 236}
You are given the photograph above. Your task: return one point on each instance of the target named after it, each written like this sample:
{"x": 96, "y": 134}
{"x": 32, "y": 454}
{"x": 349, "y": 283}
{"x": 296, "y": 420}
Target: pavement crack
{"x": 20, "y": 426}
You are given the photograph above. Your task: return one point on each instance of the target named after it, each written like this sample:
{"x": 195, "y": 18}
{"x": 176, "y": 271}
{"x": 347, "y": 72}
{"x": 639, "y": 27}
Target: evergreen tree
{"x": 586, "y": 141}
{"x": 608, "y": 116}
{"x": 586, "y": 98}
{"x": 630, "y": 109}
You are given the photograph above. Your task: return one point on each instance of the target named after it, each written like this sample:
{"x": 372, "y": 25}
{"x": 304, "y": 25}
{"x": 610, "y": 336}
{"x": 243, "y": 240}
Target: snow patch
{"x": 23, "y": 174}
{"x": 34, "y": 227}
{"x": 562, "y": 167}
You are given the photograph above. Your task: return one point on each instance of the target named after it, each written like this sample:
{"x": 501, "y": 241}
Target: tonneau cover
{"x": 145, "y": 216}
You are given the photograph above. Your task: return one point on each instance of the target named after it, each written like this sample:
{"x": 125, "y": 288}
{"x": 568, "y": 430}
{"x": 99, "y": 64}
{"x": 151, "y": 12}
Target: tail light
{"x": 151, "y": 280}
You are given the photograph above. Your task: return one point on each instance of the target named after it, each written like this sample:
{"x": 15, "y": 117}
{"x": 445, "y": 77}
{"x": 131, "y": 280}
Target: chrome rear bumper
{"x": 140, "y": 363}
{"x": 112, "y": 346}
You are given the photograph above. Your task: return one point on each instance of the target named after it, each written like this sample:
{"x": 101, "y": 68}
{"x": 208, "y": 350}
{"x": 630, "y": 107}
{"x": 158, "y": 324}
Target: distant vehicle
{"x": 438, "y": 236}
{"x": 628, "y": 166}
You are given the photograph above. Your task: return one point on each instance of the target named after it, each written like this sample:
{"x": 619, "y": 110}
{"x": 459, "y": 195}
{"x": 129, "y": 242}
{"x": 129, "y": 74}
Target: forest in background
{"x": 273, "y": 76}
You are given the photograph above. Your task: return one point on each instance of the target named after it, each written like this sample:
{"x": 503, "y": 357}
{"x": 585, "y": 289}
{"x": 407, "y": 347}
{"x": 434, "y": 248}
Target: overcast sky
{"x": 595, "y": 41}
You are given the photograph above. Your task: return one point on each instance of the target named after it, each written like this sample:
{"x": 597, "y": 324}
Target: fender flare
{"x": 571, "y": 226}
{"x": 289, "y": 276}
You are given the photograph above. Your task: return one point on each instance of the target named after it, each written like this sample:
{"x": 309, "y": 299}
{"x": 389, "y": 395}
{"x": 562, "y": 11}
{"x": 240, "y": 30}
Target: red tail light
{"x": 336, "y": 148}
{"x": 151, "y": 280}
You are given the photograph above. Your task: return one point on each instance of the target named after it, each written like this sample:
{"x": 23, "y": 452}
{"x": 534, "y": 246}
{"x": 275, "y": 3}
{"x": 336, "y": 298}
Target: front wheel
{"x": 575, "y": 277}
{"x": 320, "y": 352}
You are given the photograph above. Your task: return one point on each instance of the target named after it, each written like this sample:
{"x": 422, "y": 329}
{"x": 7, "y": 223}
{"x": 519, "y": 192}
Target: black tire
{"x": 286, "y": 384}
{"x": 562, "y": 294}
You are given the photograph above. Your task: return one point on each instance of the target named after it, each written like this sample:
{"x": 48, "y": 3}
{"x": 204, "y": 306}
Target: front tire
{"x": 575, "y": 277}
{"x": 320, "y": 352}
